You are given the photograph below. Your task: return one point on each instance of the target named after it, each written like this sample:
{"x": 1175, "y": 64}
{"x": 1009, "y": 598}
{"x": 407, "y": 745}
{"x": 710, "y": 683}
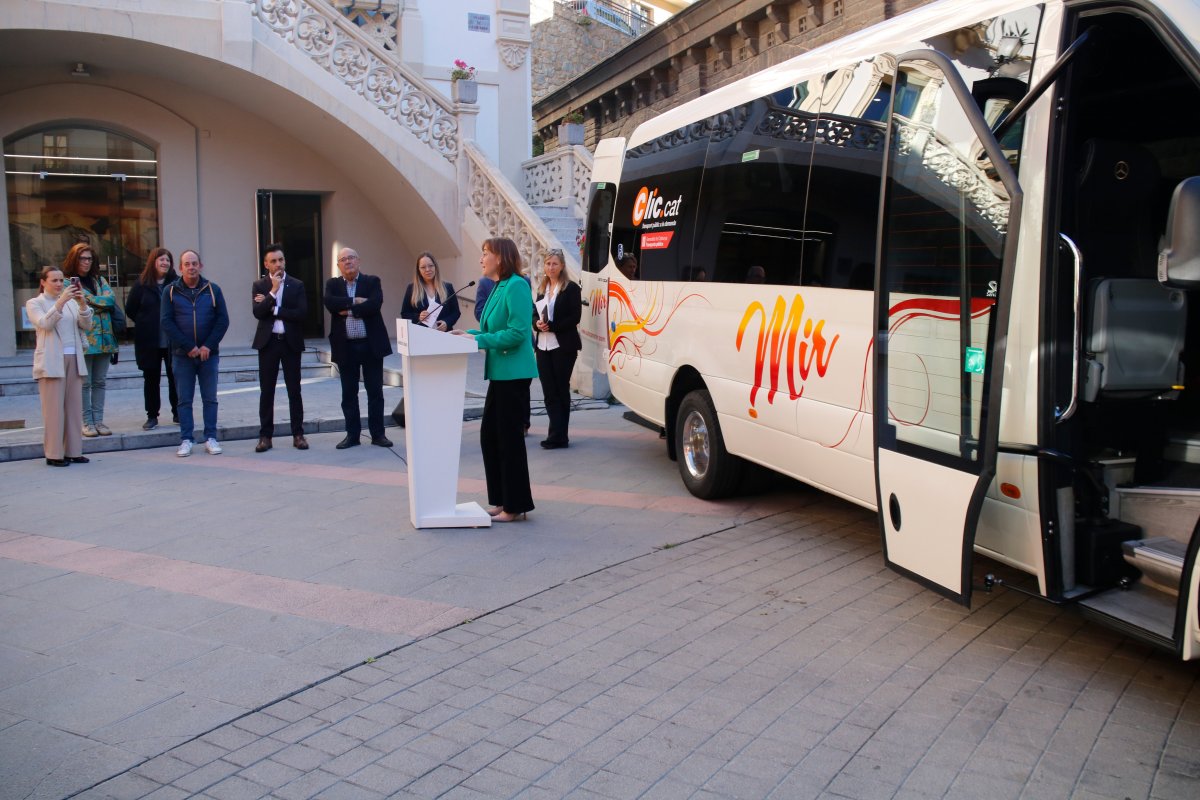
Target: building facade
{"x": 220, "y": 125}
{"x": 699, "y": 49}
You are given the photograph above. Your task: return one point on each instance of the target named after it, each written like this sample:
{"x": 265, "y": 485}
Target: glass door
{"x": 947, "y": 244}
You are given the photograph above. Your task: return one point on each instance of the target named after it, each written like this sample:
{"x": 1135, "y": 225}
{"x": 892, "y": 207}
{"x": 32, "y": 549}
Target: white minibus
{"x": 946, "y": 268}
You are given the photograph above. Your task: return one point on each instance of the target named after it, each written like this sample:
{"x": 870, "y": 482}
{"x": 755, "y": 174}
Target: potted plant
{"x": 463, "y": 87}
{"x": 570, "y": 130}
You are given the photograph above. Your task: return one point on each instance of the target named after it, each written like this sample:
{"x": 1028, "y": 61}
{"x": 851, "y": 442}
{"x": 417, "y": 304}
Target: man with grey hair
{"x": 358, "y": 340}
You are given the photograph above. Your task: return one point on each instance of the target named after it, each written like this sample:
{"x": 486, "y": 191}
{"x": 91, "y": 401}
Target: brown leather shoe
{"x": 299, "y": 442}
{"x": 264, "y": 444}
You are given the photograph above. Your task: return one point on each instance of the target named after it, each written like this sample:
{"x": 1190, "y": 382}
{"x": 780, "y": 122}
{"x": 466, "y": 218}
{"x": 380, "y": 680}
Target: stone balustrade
{"x": 335, "y": 43}
{"x": 560, "y": 178}
{"x": 504, "y": 212}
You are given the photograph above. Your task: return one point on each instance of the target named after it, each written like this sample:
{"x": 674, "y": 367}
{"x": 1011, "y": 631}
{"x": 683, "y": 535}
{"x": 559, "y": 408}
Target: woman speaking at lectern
{"x": 505, "y": 334}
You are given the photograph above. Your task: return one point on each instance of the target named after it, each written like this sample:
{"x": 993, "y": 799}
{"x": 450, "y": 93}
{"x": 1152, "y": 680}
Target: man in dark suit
{"x": 280, "y": 307}
{"x": 359, "y": 342}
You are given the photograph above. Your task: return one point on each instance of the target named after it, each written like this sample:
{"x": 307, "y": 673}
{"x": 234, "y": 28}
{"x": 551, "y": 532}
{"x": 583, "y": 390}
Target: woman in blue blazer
{"x": 506, "y": 335}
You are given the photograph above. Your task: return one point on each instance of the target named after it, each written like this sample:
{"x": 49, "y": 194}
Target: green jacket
{"x": 506, "y": 332}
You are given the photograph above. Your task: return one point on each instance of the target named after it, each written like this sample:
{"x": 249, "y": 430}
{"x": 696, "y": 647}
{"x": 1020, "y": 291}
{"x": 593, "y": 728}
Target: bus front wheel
{"x": 708, "y": 470}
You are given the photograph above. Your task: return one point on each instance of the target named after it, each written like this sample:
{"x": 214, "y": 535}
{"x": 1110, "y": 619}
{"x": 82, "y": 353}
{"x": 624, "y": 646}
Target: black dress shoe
{"x": 549, "y": 445}
{"x": 381, "y": 441}
{"x": 299, "y": 442}
{"x": 56, "y": 462}
{"x": 264, "y": 444}
{"x": 77, "y": 459}
{"x": 349, "y": 441}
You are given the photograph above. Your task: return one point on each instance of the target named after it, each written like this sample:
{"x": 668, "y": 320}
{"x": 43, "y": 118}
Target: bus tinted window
{"x": 843, "y": 193}
{"x": 595, "y": 243}
{"x": 656, "y": 202}
{"x": 753, "y": 196}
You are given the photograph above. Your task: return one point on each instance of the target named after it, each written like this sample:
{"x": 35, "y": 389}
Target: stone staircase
{"x": 563, "y": 224}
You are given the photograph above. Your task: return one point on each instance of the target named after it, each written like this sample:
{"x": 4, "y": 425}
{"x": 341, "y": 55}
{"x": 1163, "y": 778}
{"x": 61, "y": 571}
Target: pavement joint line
{"x": 415, "y": 641}
{"x": 546, "y": 492}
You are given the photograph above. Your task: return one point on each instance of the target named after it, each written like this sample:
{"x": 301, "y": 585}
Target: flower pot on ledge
{"x": 464, "y": 91}
{"x": 570, "y": 133}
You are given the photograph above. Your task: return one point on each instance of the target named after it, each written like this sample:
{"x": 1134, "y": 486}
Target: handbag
{"x": 118, "y": 317}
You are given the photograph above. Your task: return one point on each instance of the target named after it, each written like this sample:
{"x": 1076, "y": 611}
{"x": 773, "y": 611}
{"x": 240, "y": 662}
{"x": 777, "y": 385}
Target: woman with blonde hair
{"x": 505, "y": 334}
{"x": 101, "y": 337}
{"x": 59, "y": 364}
{"x": 557, "y": 311}
{"x": 428, "y": 295}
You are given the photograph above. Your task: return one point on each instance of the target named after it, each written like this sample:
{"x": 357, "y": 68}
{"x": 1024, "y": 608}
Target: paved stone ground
{"x": 270, "y": 625}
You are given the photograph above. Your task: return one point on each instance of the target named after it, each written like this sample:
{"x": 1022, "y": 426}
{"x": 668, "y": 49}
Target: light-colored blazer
{"x": 48, "y": 357}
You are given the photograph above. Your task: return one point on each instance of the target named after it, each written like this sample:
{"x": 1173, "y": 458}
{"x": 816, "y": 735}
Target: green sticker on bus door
{"x": 749, "y": 155}
{"x": 973, "y": 362}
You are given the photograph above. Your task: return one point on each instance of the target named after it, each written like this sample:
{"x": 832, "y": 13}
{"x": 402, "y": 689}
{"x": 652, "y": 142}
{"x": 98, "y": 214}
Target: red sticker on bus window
{"x": 657, "y": 241}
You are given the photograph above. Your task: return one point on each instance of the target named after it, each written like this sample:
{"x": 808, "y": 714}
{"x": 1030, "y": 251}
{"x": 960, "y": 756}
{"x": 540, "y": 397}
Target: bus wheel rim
{"x": 696, "y": 444}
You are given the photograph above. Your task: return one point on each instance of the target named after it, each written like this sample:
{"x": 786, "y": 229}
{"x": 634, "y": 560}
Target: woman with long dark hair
{"x": 506, "y": 335}
{"x": 101, "y": 338}
{"x": 61, "y": 318}
{"x": 557, "y": 310}
{"x": 150, "y": 345}
{"x": 429, "y": 295}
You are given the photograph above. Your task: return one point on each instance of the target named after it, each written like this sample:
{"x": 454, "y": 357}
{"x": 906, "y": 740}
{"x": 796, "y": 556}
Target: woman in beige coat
{"x": 58, "y": 364}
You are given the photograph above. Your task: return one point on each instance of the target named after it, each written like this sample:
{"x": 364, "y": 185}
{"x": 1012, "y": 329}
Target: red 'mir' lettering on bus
{"x": 813, "y": 350}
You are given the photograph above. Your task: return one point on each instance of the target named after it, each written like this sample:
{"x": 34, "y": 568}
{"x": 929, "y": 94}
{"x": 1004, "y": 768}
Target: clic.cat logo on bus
{"x": 650, "y": 206}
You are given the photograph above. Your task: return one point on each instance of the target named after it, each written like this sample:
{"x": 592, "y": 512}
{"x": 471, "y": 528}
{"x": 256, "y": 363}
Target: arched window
{"x": 68, "y": 184}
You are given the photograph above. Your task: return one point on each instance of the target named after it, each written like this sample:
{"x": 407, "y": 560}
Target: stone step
{"x": 238, "y": 365}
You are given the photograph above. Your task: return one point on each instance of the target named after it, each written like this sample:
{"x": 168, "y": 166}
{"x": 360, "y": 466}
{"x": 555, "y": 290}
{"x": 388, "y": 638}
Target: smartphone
{"x": 75, "y": 282}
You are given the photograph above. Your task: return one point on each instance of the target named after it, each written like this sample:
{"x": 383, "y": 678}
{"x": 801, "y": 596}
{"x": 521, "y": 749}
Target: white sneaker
{"x": 212, "y": 447}
{"x": 185, "y": 448}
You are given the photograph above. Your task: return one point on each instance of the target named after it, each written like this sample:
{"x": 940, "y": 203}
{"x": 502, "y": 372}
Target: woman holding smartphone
{"x": 61, "y": 318}
{"x": 101, "y": 340}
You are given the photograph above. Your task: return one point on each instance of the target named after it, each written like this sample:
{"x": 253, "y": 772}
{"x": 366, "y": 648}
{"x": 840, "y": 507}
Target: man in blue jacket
{"x": 194, "y": 320}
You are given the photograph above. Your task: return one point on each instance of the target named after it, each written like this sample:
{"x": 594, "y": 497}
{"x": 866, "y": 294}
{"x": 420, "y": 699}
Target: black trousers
{"x": 502, "y": 440}
{"x": 152, "y": 381}
{"x": 360, "y": 360}
{"x": 554, "y": 371}
{"x": 274, "y": 353}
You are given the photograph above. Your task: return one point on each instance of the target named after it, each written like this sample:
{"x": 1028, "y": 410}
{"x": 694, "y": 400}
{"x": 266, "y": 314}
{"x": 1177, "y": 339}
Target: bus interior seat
{"x": 1136, "y": 338}
{"x": 1115, "y": 221}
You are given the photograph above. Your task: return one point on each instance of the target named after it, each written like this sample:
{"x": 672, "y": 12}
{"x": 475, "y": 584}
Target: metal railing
{"x": 631, "y": 18}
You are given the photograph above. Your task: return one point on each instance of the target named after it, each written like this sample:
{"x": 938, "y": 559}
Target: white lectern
{"x": 435, "y": 380}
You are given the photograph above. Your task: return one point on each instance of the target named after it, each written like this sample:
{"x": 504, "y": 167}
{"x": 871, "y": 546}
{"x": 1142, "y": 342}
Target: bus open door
{"x": 947, "y": 240}
{"x": 602, "y": 195}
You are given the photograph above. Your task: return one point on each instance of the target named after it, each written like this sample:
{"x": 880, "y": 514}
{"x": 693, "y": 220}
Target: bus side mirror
{"x": 1179, "y": 255}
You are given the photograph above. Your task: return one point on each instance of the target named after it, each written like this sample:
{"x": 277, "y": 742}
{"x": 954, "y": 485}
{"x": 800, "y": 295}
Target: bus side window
{"x": 595, "y": 243}
{"x": 754, "y": 185}
{"x": 656, "y": 202}
{"x": 842, "y": 212}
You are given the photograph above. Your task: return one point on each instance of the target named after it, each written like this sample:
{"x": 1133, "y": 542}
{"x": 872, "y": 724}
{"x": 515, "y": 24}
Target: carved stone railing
{"x": 503, "y": 211}
{"x": 560, "y": 178}
{"x": 375, "y": 18}
{"x": 336, "y": 44}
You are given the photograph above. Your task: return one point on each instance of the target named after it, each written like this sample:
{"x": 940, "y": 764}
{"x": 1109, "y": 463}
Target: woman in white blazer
{"x": 58, "y": 364}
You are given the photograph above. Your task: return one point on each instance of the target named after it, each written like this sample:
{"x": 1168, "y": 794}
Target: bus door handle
{"x": 1062, "y": 415}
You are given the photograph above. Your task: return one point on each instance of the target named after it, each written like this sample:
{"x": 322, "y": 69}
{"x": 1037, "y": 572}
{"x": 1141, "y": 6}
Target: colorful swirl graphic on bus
{"x": 942, "y": 310}
{"x": 629, "y": 329}
{"x": 788, "y": 336}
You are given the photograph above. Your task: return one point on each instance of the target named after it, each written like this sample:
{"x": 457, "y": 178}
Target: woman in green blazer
{"x": 506, "y": 335}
